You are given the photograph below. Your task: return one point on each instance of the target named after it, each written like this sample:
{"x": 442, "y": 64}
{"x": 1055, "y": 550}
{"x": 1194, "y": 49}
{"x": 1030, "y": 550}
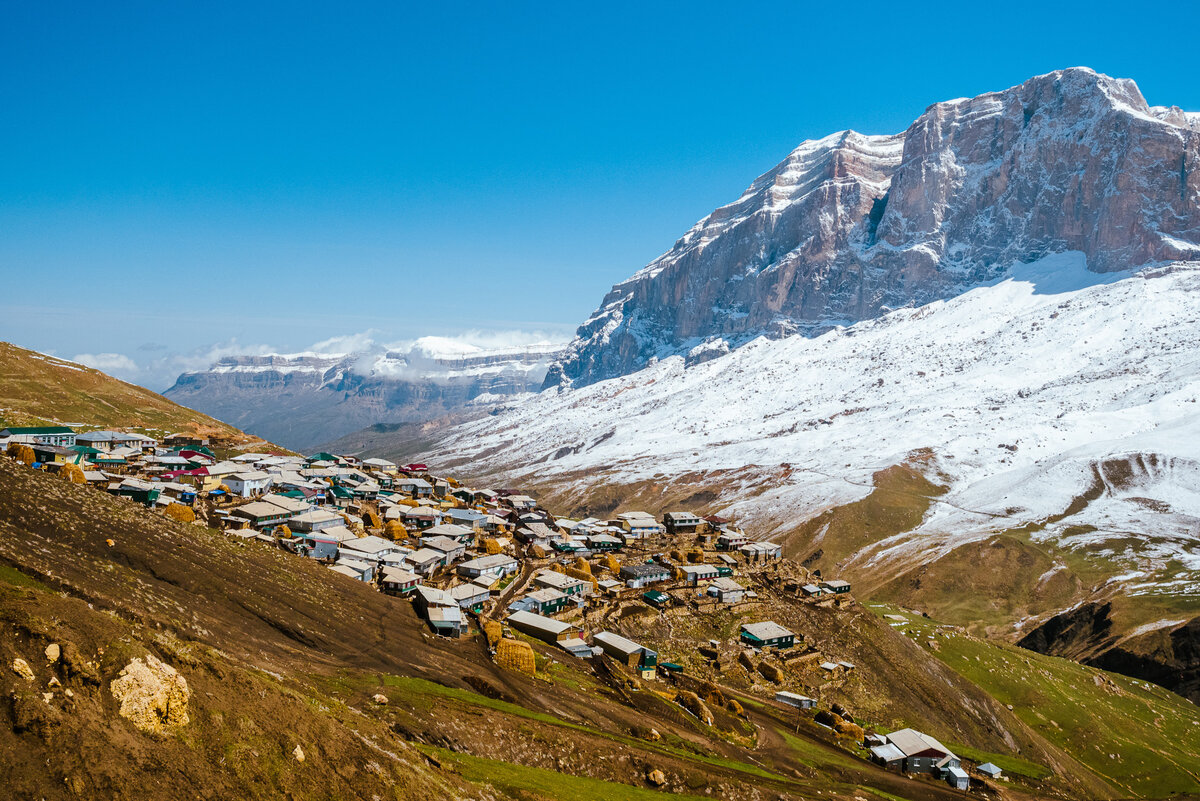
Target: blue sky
{"x": 184, "y": 180}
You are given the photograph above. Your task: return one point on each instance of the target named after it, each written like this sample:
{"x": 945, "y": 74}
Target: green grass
{"x": 526, "y": 782}
{"x": 10, "y": 575}
{"x": 809, "y": 754}
{"x": 1140, "y": 737}
{"x": 415, "y": 688}
{"x": 1009, "y": 763}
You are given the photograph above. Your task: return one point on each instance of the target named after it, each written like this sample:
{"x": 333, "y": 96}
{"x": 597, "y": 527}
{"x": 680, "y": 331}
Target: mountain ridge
{"x": 305, "y": 400}
{"x": 849, "y": 226}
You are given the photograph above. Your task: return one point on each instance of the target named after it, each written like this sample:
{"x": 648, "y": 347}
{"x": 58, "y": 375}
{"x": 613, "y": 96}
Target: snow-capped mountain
{"x": 1051, "y": 418}
{"x": 304, "y": 399}
{"x": 850, "y": 226}
{"x": 959, "y": 366}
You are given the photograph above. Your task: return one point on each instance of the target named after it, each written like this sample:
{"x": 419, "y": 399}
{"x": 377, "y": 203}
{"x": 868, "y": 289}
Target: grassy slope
{"x": 37, "y": 389}
{"x": 1142, "y": 738}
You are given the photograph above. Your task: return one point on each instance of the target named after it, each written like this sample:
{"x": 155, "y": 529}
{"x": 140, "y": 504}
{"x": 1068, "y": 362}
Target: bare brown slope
{"x": 280, "y": 652}
{"x": 35, "y": 387}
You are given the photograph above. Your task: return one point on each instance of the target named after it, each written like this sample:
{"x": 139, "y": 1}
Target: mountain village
{"x": 494, "y": 563}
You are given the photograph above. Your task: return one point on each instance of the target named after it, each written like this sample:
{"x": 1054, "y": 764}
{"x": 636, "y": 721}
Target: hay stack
{"x": 491, "y": 547}
{"x": 493, "y": 631}
{"x": 516, "y": 655}
{"x": 692, "y": 703}
{"x": 770, "y": 672}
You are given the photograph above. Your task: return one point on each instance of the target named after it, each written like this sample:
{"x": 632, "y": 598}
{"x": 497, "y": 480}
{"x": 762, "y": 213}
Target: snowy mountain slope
{"x": 850, "y": 226}
{"x": 306, "y": 399}
{"x": 1020, "y": 392}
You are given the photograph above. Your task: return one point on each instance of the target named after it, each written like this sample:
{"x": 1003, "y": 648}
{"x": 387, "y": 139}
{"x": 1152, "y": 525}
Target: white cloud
{"x": 107, "y": 362}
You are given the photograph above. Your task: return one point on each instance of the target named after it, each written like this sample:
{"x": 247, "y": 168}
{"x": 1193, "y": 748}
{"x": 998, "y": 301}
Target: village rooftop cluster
{"x": 466, "y": 556}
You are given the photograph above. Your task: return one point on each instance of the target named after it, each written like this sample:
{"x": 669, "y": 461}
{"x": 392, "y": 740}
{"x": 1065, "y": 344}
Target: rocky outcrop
{"x": 1168, "y": 655}
{"x": 152, "y": 694}
{"x": 850, "y": 226}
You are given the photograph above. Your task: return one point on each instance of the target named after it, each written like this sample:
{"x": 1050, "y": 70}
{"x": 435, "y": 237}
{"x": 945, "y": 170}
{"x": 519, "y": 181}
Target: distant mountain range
{"x": 304, "y": 400}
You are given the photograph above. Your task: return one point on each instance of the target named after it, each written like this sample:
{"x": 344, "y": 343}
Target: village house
{"x": 248, "y": 484}
{"x": 792, "y": 699}
{"x": 364, "y": 570}
{"x": 315, "y": 545}
{"x": 423, "y": 517}
{"x": 415, "y": 488}
{"x": 184, "y": 440}
{"x": 694, "y": 574}
{"x": 604, "y": 542}
{"x": 468, "y": 518}
{"x": 812, "y": 590}
{"x": 440, "y": 610}
{"x": 398, "y": 581}
{"x": 911, "y": 751}
{"x": 494, "y": 565}
{"x": 636, "y": 576}
{"x": 372, "y": 546}
{"x": 628, "y": 652}
{"x": 295, "y": 506}
{"x": 836, "y": 586}
{"x": 452, "y": 531}
{"x": 767, "y": 634}
{"x": 451, "y": 549}
{"x": 521, "y": 502}
{"x": 349, "y": 571}
{"x": 990, "y": 770}
{"x": 142, "y": 492}
{"x": 731, "y": 540}
{"x": 546, "y": 601}
{"x": 568, "y": 585}
{"x": 61, "y": 436}
{"x": 109, "y": 440}
{"x": 555, "y": 632}
{"x": 638, "y": 525}
{"x": 470, "y": 596}
{"x": 727, "y": 590}
{"x": 761, "y": 551}
{"x": 315, "y": 520}
{"x": 426, "y": 560}
{"x": 682, "y": 522}
{"x": 261, "y": 514}
{"x": 56, "y": 454}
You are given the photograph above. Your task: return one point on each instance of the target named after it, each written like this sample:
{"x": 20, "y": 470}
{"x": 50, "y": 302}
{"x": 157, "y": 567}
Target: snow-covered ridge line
{"x": 1022, "y": 386}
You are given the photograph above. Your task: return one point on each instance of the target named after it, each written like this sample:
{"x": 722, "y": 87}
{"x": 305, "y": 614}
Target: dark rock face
{"x": 305, "y": 401}
{"x": 850, "y": 225}
{"x": 1168, "y": 656}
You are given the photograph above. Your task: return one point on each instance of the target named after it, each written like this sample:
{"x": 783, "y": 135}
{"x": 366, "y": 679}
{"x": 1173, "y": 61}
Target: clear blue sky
{"x": 176, "y": 175}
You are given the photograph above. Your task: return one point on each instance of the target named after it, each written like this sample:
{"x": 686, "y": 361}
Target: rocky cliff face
{"x": 307, "y": 399}
{"x": 850, "y": 226}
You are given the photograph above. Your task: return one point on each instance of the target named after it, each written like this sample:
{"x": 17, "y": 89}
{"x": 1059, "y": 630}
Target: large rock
{"x": 851, "y": 225}
{"x": 152, "y": 694}
{"x": 22, "y": 669}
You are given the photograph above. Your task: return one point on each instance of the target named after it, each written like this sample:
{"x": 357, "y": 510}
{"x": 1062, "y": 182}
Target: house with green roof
{"x": 60, "y": 436}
